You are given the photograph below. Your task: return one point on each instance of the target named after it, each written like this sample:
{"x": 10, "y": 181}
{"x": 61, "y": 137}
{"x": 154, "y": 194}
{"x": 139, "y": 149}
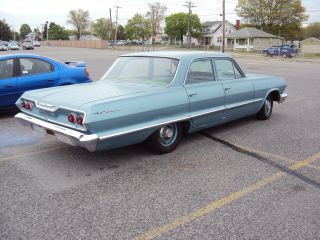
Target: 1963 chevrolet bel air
{"x": 151, "y": 97}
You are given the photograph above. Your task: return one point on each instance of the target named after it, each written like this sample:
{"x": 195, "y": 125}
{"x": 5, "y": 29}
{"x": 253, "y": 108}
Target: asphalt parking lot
{"x": 248, "y": 179}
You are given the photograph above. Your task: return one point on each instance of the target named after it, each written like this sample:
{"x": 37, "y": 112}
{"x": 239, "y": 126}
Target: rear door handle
{"x": 193, "y": 94}
{"x": 50, "y": 81}
{"x": 9, "y": 86}
{"x": 227, "y": 88}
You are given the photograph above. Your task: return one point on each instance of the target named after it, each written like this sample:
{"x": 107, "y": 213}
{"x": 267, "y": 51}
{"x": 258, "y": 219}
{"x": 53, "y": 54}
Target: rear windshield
{"x": 143, "y": 70}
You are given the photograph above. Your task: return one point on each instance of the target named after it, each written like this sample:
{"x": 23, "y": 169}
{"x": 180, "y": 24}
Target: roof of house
{"x": 249, "y": 32}
{"x": 210, "y": 23}
{"x": 311, "y": 38}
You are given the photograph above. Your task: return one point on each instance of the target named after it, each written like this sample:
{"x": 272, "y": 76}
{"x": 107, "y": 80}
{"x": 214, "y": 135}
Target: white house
{"x": 212, "y": 33}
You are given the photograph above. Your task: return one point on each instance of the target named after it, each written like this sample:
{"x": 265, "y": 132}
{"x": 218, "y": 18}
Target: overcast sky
{"x": 36, "y": 12}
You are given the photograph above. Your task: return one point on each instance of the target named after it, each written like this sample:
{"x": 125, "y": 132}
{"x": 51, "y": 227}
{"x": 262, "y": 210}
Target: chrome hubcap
{"x": 267, "y": 107}
{"x": 168, "y": 134}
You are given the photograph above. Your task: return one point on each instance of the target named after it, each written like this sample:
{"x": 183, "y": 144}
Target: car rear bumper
{"x": 63, "y": 134}
{"x": 283, "y": 97}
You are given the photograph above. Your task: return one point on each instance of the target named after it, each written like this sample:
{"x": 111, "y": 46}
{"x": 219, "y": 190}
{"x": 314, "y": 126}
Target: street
{"x": 248, "y": 179}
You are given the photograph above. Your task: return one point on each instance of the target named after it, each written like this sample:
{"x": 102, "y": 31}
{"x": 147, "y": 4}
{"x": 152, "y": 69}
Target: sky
{"x": 37, "y": 12}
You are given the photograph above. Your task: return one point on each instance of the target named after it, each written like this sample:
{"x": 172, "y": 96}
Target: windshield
{"x": 143, "y": 70}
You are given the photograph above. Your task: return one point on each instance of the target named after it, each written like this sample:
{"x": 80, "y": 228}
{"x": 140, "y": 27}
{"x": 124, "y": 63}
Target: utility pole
{"x": 110, "y": 36}
{"x": 189, "y": 5}
{"x": 115, "y": 35}
{"x": 223, "y": 24}
{"x": 47, "y": 31}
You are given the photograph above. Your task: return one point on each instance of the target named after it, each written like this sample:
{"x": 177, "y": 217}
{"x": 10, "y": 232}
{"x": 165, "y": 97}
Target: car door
{"x": 36, "y": 73}
{"x": 239, "y": 90}
{"x": 206, "y": 94}
{"x": 9, "y": 92}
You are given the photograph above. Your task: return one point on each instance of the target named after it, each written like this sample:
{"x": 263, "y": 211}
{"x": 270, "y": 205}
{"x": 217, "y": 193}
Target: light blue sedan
{"x": 152, "y": 97}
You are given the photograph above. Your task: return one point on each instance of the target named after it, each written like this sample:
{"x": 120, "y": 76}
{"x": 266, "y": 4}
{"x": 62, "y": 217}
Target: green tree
{"x": 312, "y": 30}
{"x": 5, "y": 32}
{"x": 121, "y": 35}
{"x": 102, "y": 28}
{"x": 44, "y": 32}
{"x": 177, "y": 25}
{"x": 278, "y": 17}
{"x": 80, "y": 20}
{"x": 24, "y": 30}
{"x": 138, "y": 27}
{"x": 56, "y": 32}
{"x": 156, "y": 15}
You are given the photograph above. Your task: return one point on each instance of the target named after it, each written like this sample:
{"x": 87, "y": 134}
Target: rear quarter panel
{"x": 263, "y": 86}
{"x": 139, "y": 111}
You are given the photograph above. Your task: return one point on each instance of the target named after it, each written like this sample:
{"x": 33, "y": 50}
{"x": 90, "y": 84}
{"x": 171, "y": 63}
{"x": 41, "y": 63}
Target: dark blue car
{"x": 23, "y": 72}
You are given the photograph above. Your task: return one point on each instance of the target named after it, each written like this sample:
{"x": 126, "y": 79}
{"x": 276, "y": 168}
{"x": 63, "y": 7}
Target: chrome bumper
{"x": 283, "y": 97}
{"x": 63, "y": 134}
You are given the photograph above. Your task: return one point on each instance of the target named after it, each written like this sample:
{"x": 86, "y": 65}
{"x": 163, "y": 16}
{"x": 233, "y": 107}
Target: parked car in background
{"x": 13, "y": 46}
{"x": 36, "y": 43}
{"x": 24, "y": 72}
{"x": 16, "y": 42}
{"x": 27, "y": 46}
{"x": 3, "y": 47}
{"x": 282, "y": 51}
{"x": 152, "y": 97}
{"x": 4, "y": 42}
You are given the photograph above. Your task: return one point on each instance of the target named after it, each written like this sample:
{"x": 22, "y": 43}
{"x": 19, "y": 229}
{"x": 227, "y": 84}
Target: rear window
{"x": 144, "y": 70}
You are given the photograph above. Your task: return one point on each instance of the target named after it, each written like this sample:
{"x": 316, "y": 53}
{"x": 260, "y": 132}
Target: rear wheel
{"x": 266, "y": 109}
{"x": 165, "y": 139}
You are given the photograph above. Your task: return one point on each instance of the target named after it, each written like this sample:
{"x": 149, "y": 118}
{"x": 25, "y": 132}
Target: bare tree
{"x": 80, "y": 20}
{"x": 156, "y": 16}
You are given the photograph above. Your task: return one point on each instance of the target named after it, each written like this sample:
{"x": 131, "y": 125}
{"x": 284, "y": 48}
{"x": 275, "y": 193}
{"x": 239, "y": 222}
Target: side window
{"x": 31, "y": 66}
{"x": 200, "y": 71}
{"x": 6, "y": 68}
{"x": 226, "y": 70}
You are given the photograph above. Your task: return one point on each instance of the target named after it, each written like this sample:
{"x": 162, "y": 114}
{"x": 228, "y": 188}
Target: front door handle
{"x": 50, "y": 81}
{"x": 9, "y": 86}
{"x": 227, "y": 88}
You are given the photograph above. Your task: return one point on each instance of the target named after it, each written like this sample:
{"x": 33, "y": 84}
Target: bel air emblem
{"x": 107, "y": 111}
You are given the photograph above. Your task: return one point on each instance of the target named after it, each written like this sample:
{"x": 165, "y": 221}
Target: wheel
{"x": 266, "y": 109}
{"x": 284, "y": 55}
{"x": 165, "y": 139}
{"x": 266, "y": 54}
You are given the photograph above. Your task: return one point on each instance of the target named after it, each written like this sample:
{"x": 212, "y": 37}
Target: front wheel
{"x": 165, "y": 139}
{"x": 266, "y": 109}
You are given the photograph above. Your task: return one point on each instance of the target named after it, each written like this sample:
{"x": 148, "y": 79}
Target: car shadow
{"x": 8, "y": 113}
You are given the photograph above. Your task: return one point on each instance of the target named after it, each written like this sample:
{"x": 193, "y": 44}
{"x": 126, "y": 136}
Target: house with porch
{"x": 212, "y": 32}
{"x": 252, "y": 39}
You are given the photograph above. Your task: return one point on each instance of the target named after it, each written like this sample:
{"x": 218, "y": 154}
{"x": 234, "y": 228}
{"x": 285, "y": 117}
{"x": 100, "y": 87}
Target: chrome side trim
{"x": 75, "y": 137}
{"x": 141, "y": 128}
{"x": 283, "y": 97}
{"x": 218, "y": 109}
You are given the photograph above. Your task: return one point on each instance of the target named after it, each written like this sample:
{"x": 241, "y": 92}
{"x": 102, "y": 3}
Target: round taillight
{"x": 80, "y": 120}
{"x": 29, "y": 106}
{"x": 23, "y": 104}
{"x": 71, "y": 118}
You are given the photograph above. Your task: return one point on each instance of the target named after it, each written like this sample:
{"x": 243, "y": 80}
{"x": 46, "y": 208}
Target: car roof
{"x": 177, "y": 54}
{"x": 20, "y": 55}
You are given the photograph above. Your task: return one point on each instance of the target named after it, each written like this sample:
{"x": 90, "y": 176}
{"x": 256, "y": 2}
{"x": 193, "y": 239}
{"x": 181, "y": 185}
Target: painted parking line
{"x": 14, "y": 157}
{"x": 222, "y": 202}
{"x": 273, "y": 155}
